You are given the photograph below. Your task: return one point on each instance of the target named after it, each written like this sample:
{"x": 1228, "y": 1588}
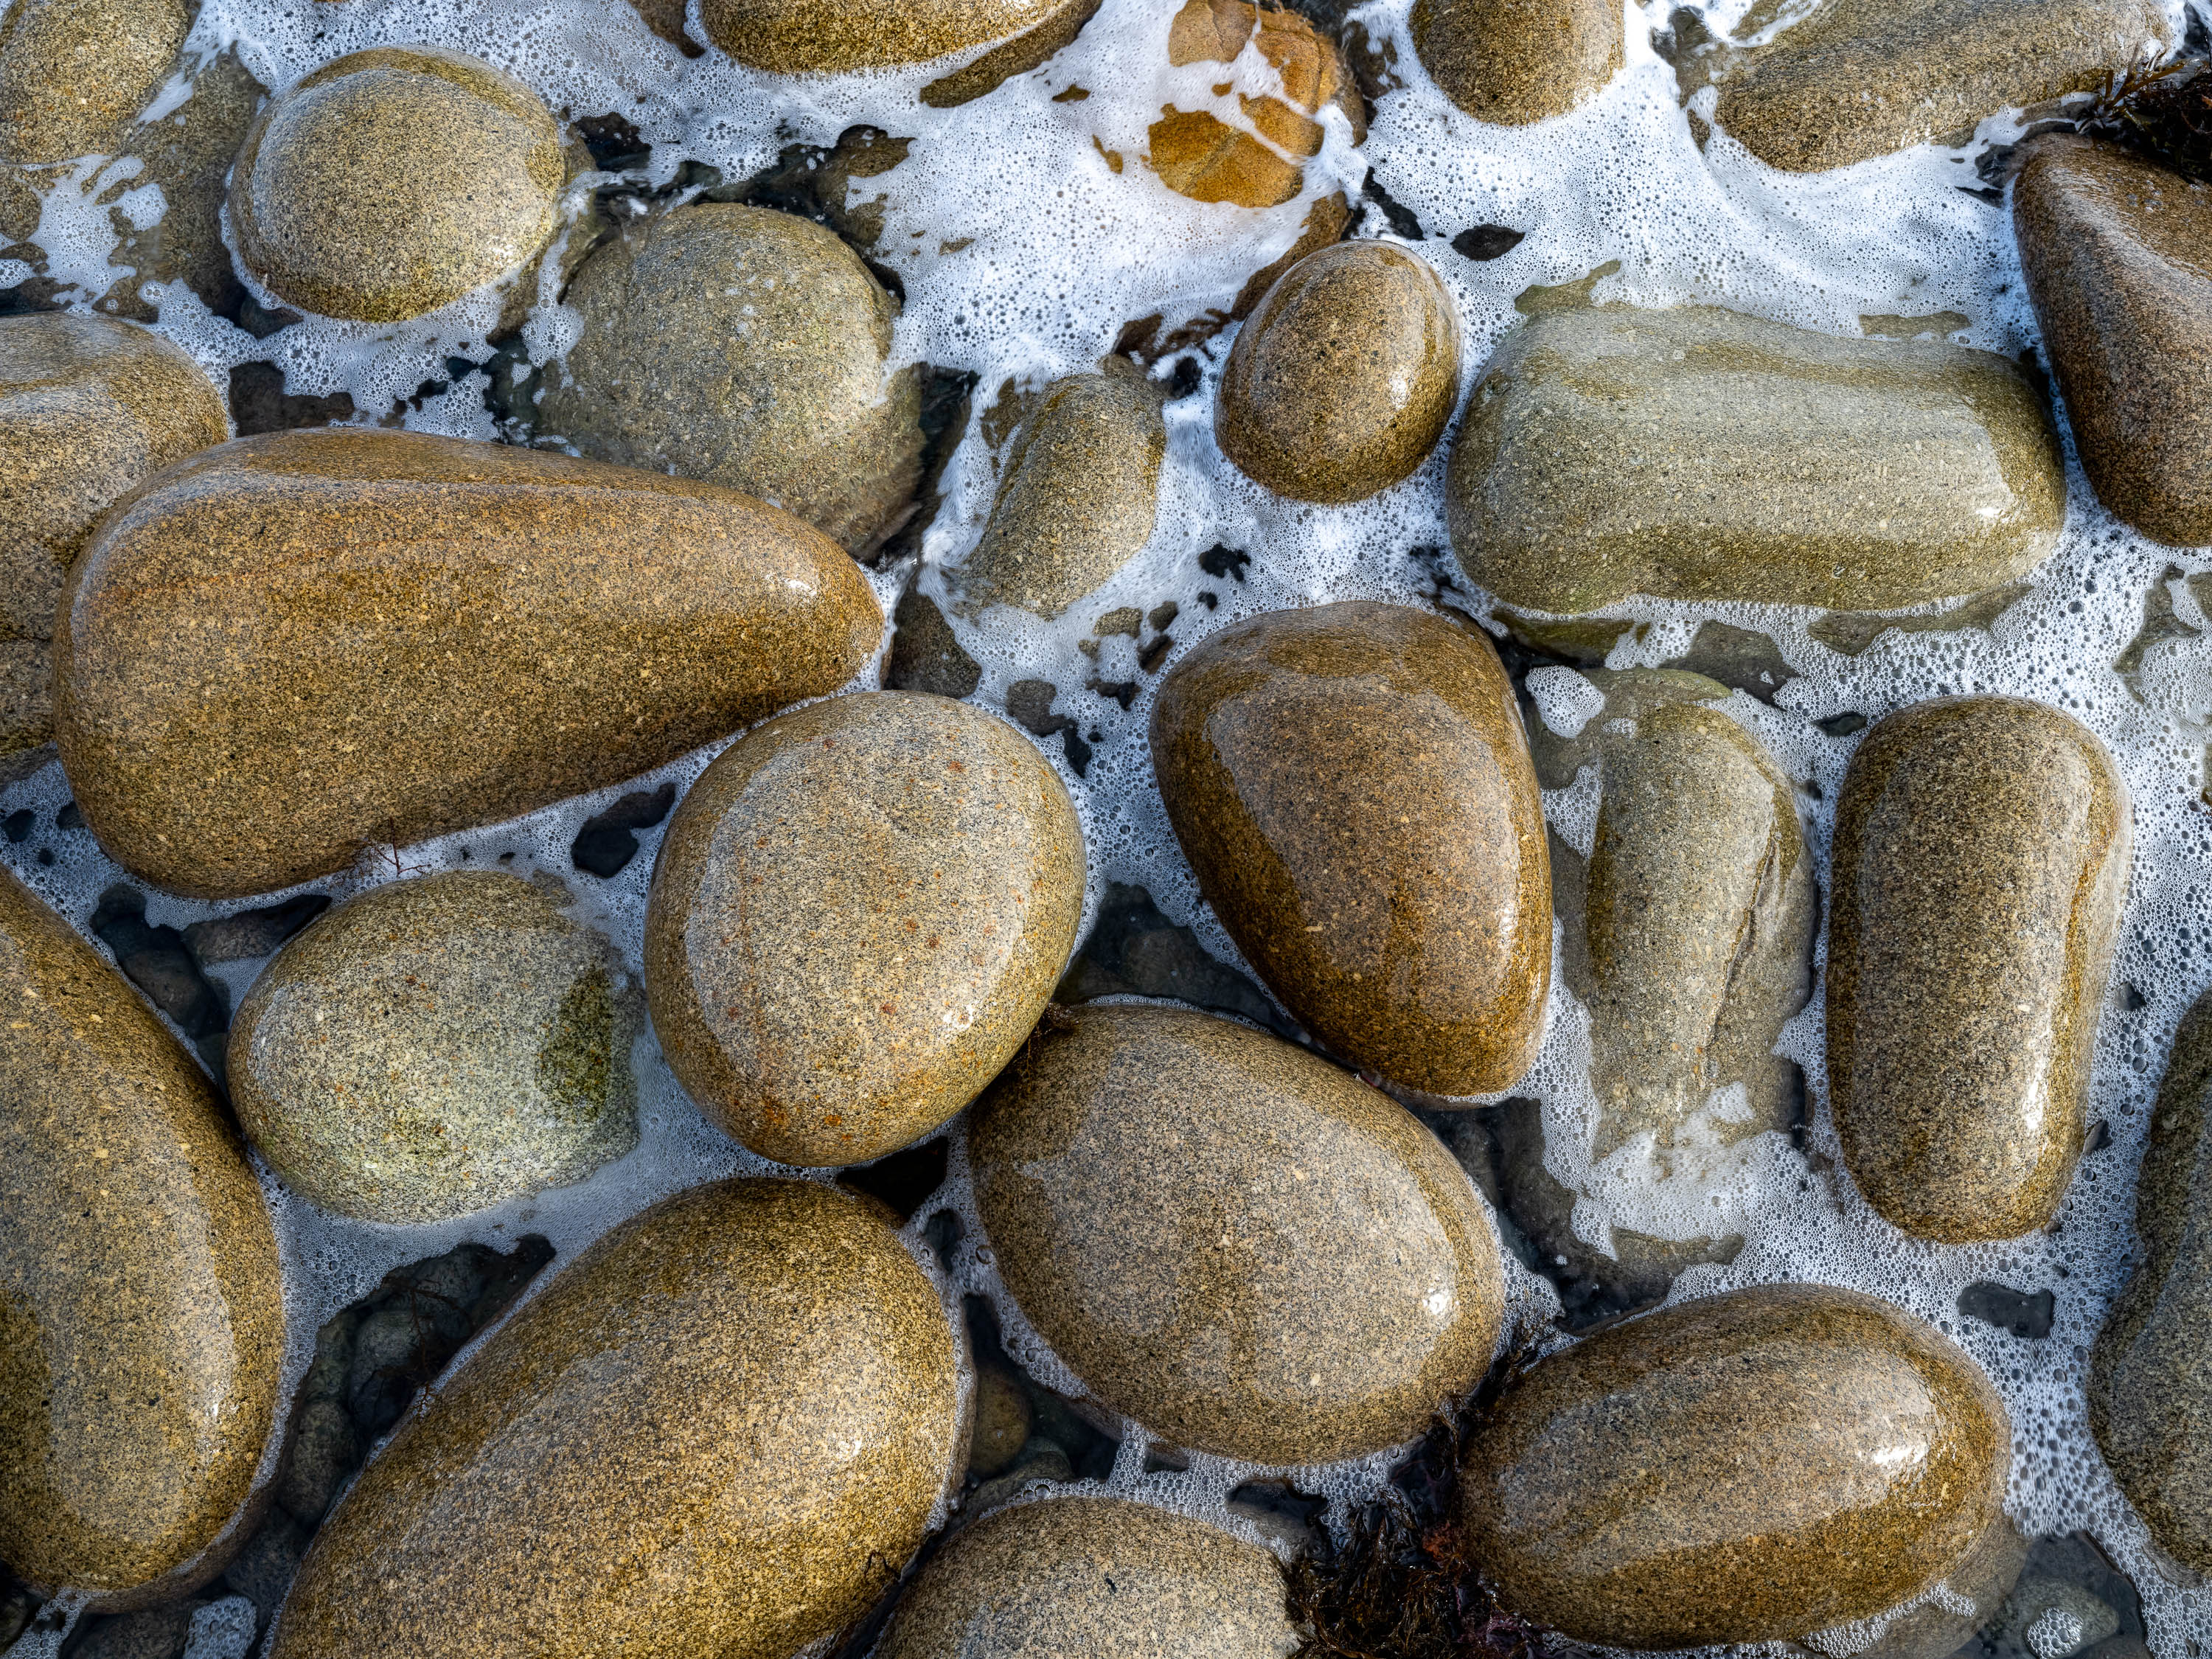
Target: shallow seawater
{"x": 1024, "y": 253}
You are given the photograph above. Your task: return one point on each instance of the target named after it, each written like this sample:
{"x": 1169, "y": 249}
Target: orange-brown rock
{"x": 1197, "y": 154}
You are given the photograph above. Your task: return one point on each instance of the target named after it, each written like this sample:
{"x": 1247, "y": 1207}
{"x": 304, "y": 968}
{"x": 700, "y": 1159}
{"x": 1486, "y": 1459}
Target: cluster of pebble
{"x": 734, "y": 1422}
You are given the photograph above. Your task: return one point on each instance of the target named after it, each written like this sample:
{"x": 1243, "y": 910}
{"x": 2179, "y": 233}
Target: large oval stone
{"x": 1245, "y": 1249}
{"x": 2150, "y": 1384}
{"x": 721, "y": 1430}
{"x": 1343, "y": 377}
{"x": 88, "y": 407}
{"x": 436, "y": 1046}
{"x": 1980, "y": 860}
{"x": 747, "y": 347}
{"x": 293, "y": 647}
{"x": 1752, "y": 1467}
{"x": 858, "y": 913}
{"x": 1352, "y": 785}
{"x": 799, "y": 37}
{"x": 392, "y": 181}
{"x": 1099, "y": 1576}
{"x": 2118, "y": 256}
{"x": 141, "y": 1317}
{"x": 1608, "y": 451}
{"x": 73, "y": 72}
{"x": 1520, "y": 62}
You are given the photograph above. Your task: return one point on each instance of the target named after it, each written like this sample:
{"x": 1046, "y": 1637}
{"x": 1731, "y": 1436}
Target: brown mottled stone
{"x": 1689, "y": 928}
{"x": 295, "y": 647}
{"x": 2150, "y": 1376}
{"x": 392, "y": 181}
{"x": 1019, "y": 56}
{"x": 2118, "y": 256}
{"x": 1969, "y": 1597}
{"x": 88, "y": 407}
{"x": 1079, "y": 496}
{"x": 1344, "y": 376}
{"x": 1980, "y": 860}
{"x": 807, "y": 37}
{"x": 720, "y": 1430}
{"x": 1352, "y": 785}
{"x": 1751, "y": 1468}
{"x": 435, "y": 1046}
{"x": 747, "y": 347}
{"x": 1859, "y": 78}
{"x": 142, "y": 1318}
{"x": 1243, "y": 1247}
{"x": 72, "y": 72}
{"x": 1516, "y": 61}
{"x": 858, "y": 912}
{"x": 1197, "y": 154}
{"x": 1608, "y": 451}
{"x": 1099, "y": 1576}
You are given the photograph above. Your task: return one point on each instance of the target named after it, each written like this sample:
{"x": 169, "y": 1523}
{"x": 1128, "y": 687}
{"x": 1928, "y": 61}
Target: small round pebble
{"x": 436, "y": 1046}
{"x": 1343, "y": 380}
{"x": 392, "y": 181}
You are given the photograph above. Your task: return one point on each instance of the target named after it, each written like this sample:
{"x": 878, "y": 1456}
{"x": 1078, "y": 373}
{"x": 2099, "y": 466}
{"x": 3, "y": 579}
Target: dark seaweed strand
{"x": 2164, "y": 114}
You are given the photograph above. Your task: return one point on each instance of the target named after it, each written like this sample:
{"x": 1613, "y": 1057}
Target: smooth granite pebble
{"x": 1751, "y": 1468}
{"x": 1100, "y": 1576}
{"x": 1352, "y": 787}
{"x": 1517, "y": 61}
{"x": 857, "y": 915}
{"x": 1243, "y": 1247}
{"x": 722, "y": 1429}
{"x": 436, "y": 1046}
{"x": 142, "y": 1316}
{"x": 368, "y": 697}
{"x": 1980, "y": 860}
{"x": 74, "y": 72}
{"x": 807, "y": 37}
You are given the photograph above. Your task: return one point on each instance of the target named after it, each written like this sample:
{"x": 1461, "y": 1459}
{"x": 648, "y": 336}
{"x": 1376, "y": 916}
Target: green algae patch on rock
{"x": 1703, "y": 455}
{"x": 807, "y": 37}
{"x": 392, "y": 181}
{"x": 2118, "y": 256}
{"x": 1344, "y": 376}
{"x": 1078, "y": 496}
{"x": 1751, "y": 1468}
{"x": 1689, "y": 928}
{"x": 722, "y": 1429}
{"x": 435, "y": 1046}
{"x": 2150, "y": 1375}
{"x": 747, "y": 347}
{"x": 88, "y": 408}
{"x": 1516, "y": 61}
{"x": 293, "y": 648}
{"x": 1230, "y": 1241}
{"x": 74, "y": 72}
{"x": 1352, "y": 787}
{"x": 142, "y": 1318}
{"x": 1859, "y": 78}
{"x": 1093, "y": 1575}
{"x": 858, "y": 913}
{"x": 1979, "y": 863}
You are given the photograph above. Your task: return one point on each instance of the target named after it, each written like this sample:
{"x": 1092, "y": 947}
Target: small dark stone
{"x": 2024, "y": 1313}
{"x": 68, "y": 818}
{"x": 1030, "y": 703}
{"x": 1487, "y": 241}
{"x": 1122, "y": 692}
{"x": 45, "y": 855}
{"x": 1079, "y": 751}
{"x": 2131, "y": 999}
{"x": 1161, "y": 617}
{"x": 263, "y": 1570}
{"x": 925, "y": 655}
{"x": 1135, "y": 950}
{"x": 253, "y": 933}
{"x": 1184, "y": 379}
{"x": 1842, "y": 725}
{"x": 261, "y": 321}
{"x": 18, "y": 823}
{"x": 150, "y": 1633}
{"x": 605, "y": 845}
{"x": 2100, "y": 1136}
{"x": 615, "y": 143}
{"x": 157, "y": 961}
{"x": 905, "y": 1180}
{"x": 1154, "y": 653}
{"x": 1219, "y": 560}
{"x": 1399, "y": 217}
{"x": 258, "y": 402}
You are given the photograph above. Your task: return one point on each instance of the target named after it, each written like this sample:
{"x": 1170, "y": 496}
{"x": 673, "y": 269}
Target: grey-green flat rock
{"x": 1703, "y": 455}
{"x": 438, "y": 1045}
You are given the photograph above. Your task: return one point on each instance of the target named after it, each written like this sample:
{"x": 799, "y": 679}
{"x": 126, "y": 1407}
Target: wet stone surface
{"x": 1516, "y": 63}
{"x": 73, "y": 72}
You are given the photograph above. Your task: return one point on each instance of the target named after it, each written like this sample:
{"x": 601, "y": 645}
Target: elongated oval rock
{"x": 1980, "y": 860}
{"x": 720, "y": 1430}
{"x": 142, "y": 1318}
{"x": 858, "y": 913}
{"x": 435, "y": 1046}
{"x": 1243, "y": 1247}
{"x": 1703, "y": 455}
{"x": 803, "y": 36}
{"x": 2118, "y": 256}
{"x": 2150, "y": 1383}
{"x": 1095, "y": 1576}
{"x": 1752, "y": 1467}
{"x": 1857, "y": 78}
{"x": 1078, "y": 496}
{"x": 1352, "y": 785}
{"x": 295, "y": 647}
{"x": 1344, "y": 377}
{"x": 1517, "y": 61}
